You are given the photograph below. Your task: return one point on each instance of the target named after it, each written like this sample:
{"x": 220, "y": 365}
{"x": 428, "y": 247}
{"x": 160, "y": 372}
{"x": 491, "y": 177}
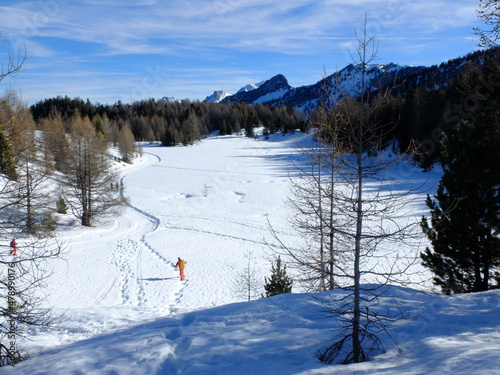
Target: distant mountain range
{"x": 346, "y": 82}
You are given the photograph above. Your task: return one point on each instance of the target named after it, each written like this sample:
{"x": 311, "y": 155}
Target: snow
{"x": 251, "y": 86}
{"x": 125, "y": 311}
{"x": 278, "y": 94}
{"x": 217, "y": 97}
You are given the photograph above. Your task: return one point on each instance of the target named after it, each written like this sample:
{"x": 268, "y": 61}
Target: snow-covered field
{"x": 126, "y": 311}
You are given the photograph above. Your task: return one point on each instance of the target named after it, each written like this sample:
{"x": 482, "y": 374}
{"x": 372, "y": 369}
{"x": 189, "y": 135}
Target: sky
{"x": 107, "y": 51}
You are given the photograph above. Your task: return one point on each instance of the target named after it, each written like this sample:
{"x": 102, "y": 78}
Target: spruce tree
{"x": 279, "y": 282}
{"x": 168, "y": 138}
{"x": 464, "y": 225}
{"x": 249, "y": 126}
{"x": 223, "y": 128}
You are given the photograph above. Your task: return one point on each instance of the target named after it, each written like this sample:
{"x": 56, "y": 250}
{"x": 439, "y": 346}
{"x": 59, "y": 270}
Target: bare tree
{"x": 23, "y": 265}
{"x": 126, "y": 144}
{"x": 14, "y": 65}
{"x": 56, "y": 146}
{"x": 359, "y": 239}
{"x": 29, "y": 193}
{"x": 377, "y": 244}
{"x": 89, "y": 181}
{"x": 247, "y": 285}
{"x": 315, "y": 211}
{"x": 489, "y": 12}
{"x": 22, "y": 277}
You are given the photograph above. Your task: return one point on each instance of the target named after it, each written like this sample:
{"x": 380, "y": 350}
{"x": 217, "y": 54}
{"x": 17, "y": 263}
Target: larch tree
{"x": 90, "y": 179}
{"x": 354, "y": 218}
{"x": 489, "y": 12}
{"x": 30, "y": 194}
{"x": 314, "y": 210}
{"x": 23, "y": 268}
{"x": 126, "y": 144}
{"x": 246, "y": 284}
{"x": 55, "y": 142}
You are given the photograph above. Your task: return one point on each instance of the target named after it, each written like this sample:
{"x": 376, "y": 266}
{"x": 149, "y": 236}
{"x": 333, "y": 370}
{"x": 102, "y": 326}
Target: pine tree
{"x": 465, "y": 222}
{"x": 249, "y": 126}
{"x": 168, "y": 138}
{"x": 279, "y": 282}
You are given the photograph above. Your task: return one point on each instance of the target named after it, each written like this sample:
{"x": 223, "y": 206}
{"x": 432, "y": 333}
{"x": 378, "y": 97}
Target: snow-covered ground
{"x": 126, "y": 311}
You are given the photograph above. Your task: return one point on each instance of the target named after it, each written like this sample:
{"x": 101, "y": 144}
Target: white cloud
{"x": 281, "y": 26}
{"x": 260, "y": 36}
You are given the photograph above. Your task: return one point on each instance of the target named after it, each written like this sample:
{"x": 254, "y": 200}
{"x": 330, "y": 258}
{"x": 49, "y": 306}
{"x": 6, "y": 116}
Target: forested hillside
{"x": 423, "y": 104}
{"x": 174, "y": 123}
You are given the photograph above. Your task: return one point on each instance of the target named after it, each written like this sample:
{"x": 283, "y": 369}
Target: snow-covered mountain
{"x": 167, "y": 99}
{"x": 270, "y": 90}
{"x": 347, "y": 82}
{"x": 251, "y": 86}
{"x": 277, "y": 92}
{"x": 217, "y": 96}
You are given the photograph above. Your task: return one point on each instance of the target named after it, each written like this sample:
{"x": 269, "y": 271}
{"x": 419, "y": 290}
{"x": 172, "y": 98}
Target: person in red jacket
{"x": 13, "y": 247}
{"x": 181, "y": 264}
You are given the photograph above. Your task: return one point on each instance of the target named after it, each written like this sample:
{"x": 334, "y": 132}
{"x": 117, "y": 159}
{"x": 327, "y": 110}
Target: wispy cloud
{"x": 289, "y": 27}
{"x": 263, "y": 36}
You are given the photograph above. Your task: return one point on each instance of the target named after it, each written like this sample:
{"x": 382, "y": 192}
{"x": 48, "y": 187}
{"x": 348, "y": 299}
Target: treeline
{"x": 421, "y": 109}
{"x": 414, "y": 119}
{"x": 434, "y": 104}
{"x": 418, "y": 111}
{"x": 182, "y": 122}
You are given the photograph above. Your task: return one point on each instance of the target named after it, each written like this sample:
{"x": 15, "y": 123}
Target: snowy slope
{"x": 280, "y": 335}
{"x": 277, "y": 92}
{"x": 251, "y": 86}
{"x": 126, "y": 311}
{"x": 217, "y": 97}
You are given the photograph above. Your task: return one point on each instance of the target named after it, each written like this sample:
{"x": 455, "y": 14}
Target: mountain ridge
{"x": 276, "y": 91}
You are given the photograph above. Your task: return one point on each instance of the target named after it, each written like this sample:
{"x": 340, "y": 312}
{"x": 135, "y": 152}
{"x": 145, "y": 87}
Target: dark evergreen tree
{"x": 249, "y": 132}
{"x": 168, "y": 138}
{"x": 464, "y": 226}
{"x": 223, "y": 128}
{"x": 279, "y": 282}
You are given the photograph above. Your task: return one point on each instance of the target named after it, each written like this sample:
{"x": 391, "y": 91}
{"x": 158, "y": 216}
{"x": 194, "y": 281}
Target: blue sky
{"x": 111, "y": 50}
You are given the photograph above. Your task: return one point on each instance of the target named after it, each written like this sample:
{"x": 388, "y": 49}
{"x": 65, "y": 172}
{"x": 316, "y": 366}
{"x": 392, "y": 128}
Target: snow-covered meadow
{"x": 125, "y": 311}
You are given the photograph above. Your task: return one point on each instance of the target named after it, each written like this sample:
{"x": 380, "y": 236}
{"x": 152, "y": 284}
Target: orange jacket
{"x": 181, "y": 264}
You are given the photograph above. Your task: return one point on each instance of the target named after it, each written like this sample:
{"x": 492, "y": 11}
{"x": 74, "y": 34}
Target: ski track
{"x": 156, "y": 287}
{"x": 246, "y": 225}
{"x": 217, "y": 234}
{"x": 121, "y": 258}
{"x": 127, "y": 256}
{"x": 132, "y": 285}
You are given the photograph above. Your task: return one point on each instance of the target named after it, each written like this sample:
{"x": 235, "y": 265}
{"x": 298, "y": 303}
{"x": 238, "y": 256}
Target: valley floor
{"x": 125, "y": 311}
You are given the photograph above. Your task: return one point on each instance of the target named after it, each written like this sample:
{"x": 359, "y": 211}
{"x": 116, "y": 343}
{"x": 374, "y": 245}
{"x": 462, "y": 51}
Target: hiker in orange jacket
{"x": 181, "y": 264}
